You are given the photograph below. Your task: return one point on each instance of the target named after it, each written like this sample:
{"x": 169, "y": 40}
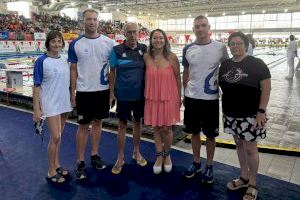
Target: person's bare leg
{"x": 252, "y": 161}
{"x": 196, "y": 146}
{"x": 210, "y": 150}
{"x": 121, "y": 139}
{"x": 158, "y": 145}
{"x": 81, "y": 140}
{"x": 63, "y": 118}
{"x": 167, "y": 141}
{"x": 136, "y": 139}
{"x": 55, "y": 137}
{"x": 96, "y": 134}
{"x": 242, "y": 156}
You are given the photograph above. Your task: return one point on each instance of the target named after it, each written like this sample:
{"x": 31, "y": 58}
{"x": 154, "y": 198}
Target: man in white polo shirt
{"x": 201, "y": 60}
{"x": 88, "y": 56}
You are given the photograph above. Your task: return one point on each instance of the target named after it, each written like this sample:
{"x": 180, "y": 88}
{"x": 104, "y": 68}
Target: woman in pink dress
{"x": 162, "y": 96}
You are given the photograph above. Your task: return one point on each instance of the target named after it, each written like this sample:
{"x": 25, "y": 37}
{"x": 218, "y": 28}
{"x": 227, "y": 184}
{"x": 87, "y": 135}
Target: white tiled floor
{"x": 281, "y": 167}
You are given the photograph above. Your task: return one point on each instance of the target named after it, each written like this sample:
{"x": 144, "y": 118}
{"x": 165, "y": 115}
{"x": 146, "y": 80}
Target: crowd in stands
{"x": 45, "y": 22}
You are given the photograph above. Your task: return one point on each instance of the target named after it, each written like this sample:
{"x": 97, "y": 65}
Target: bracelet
{"x": 260, "y": 110}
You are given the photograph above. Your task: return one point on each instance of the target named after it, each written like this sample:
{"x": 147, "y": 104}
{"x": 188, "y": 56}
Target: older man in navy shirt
{"x": 127, "y": 72}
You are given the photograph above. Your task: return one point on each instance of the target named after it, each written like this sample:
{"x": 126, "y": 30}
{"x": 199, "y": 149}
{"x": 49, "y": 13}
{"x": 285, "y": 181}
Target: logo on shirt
{"x": 80, "y": 117}
{"x": 85, "y": 50}
{"x": 140, "y": 52}
{"x": 124, "y": 55}
{"x": 234, "y": 75}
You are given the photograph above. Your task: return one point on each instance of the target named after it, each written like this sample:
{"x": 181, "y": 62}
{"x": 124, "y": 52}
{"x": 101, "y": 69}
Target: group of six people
{"x": 146, "y": 83}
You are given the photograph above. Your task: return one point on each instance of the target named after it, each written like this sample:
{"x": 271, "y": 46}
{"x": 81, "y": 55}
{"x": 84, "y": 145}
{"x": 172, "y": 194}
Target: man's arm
{"x": 185, "y": 77}
{"x": 73, "y": 78}
{"x": 176, "y": 68}
{"x": 112, "y": 80}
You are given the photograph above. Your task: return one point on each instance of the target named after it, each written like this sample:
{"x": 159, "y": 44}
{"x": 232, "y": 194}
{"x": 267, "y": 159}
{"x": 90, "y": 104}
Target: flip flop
{"x": 141, "y": 162}
{"x": 117, "y": 168}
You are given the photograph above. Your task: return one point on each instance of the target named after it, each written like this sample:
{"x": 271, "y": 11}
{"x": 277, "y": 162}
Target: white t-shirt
{"x": 91, "y": 56}
{"x": 53, "y": 76}
{"x": 292, "y": 49}
{"x": 203, "y": 62}
{"x": 250, "y": 49}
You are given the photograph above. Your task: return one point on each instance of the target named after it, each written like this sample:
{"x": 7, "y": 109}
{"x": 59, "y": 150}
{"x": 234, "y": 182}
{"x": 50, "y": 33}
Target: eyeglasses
{"x": 131, "y": 32}
{"x": 238, "y": 44}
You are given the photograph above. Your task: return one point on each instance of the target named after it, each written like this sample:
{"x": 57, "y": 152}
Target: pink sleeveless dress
{"x": 161, "y": 97}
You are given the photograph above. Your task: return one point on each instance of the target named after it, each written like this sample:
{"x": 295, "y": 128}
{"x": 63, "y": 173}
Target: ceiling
{"x": 175, "y": 8}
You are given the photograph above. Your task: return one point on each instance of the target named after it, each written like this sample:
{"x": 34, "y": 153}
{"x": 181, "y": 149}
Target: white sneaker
{"x": 157, "y": 169}
{"x": 168, "y": 168}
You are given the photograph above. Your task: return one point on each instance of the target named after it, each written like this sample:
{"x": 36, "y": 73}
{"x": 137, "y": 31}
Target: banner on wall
{"x": 69, "y": 36}
{"x": 26, "y": 46}
{"x": 4, "y": 35}
{"x": 7, "y": 47}
{"x": 39, "y": 36}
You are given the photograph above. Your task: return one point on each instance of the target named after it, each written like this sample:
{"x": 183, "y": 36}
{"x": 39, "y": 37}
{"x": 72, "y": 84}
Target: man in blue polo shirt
{"x": 127, "y": 72}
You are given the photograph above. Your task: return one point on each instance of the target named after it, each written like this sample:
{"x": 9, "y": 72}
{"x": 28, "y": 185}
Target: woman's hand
{"x": 260, "y": 120}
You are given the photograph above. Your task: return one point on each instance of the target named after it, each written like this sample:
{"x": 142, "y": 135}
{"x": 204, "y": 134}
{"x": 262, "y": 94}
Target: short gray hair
{"x": 130, "y": 23}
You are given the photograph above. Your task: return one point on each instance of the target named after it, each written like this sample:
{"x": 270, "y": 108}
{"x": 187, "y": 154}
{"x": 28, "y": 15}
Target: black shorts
{"x": 92, "y": 105}
{"x": 201, "y": 115}
{"x": 125, "y": 109}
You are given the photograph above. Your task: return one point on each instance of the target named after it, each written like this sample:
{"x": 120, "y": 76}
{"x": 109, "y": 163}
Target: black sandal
{"x": 57, "y": 179}
{"x": 62, "y": 171}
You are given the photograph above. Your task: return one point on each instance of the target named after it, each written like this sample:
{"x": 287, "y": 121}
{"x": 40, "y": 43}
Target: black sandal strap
{"x": 245, "y": 181}
{"x": 61, "y": 170}
{"x": 166, "y": 153}
{"x": 159, "y": 153}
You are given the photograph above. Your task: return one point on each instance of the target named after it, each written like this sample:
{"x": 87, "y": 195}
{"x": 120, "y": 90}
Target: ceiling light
{"x": 263, "y": 11}
{"x": 224, "y": 13}
{"x": 243, "y": 12}
{"x": 89, "y": 6}
{"x": 285, "y": 10}
{"x": 190, "y": 15}
{"x": 118, "y": 10}
{"x": 206, "y": 14}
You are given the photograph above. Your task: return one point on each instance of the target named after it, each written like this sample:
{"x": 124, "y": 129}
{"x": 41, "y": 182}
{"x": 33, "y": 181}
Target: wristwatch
{"x": 260, "y": 110}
